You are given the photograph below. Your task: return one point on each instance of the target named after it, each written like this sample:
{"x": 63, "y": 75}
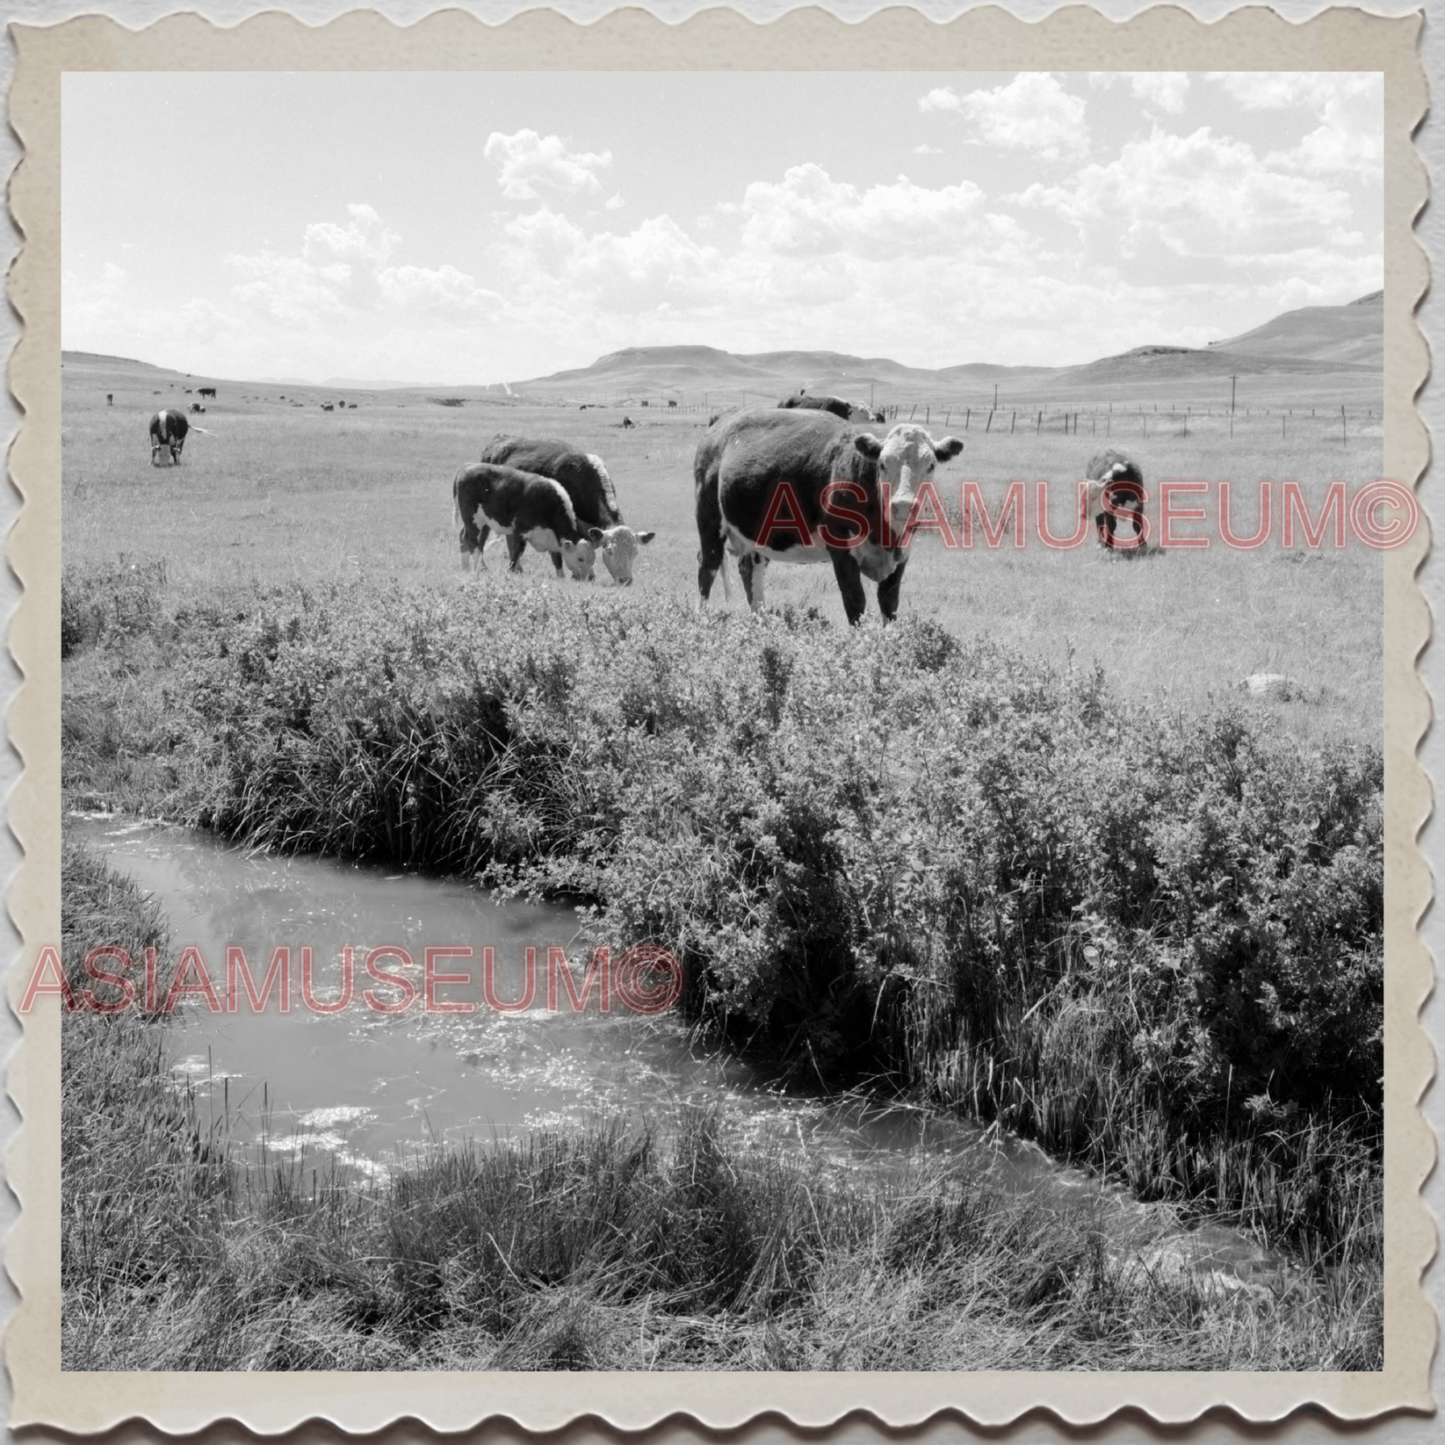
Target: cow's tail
{"x": 205, "y": 431}
{"x": 727, "y": 585}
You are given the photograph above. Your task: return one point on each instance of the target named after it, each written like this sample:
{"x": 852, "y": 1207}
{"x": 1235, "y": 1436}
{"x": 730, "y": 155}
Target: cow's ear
{"x": 596, "y": 536}
{"x": 948, "y": 448}
{"x": 645, "y": 537}
{"x": 868, "y": 445}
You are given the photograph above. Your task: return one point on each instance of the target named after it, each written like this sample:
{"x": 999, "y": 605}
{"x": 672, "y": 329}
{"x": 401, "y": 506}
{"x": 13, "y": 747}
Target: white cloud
{"x": 1277, "y": 90}
{"x": 942, "y": 99}
{"x": 808, "y": 213}
{"x": 613, "y": 203}
{"x": 531, "y": 166}
{"x": 924, "y": 149}
{"x": 1164, "y": 88}
{"x": 1196, "y": 196}
{"x": 1032, "y": 112}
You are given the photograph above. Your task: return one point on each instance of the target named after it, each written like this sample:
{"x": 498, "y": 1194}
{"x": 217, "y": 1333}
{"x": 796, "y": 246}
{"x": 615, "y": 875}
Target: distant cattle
{"x": 109, "y": 399}
{"x": 1115, "y": 492}
{"x": 801, "y": 486}
{"x": 327, "y": 406}
{"x": 589, "y": 488}
{"x": 188, "y": 391}
{"x": 168, "y": 433}
{"x": 207, "y": 391}
{"x": 197, "y": 407}
{"x": 627, "y": 421}
{"x": 844, "y": 410}
{"x": 522, "y": 506}
{"x": 671, "y": 403}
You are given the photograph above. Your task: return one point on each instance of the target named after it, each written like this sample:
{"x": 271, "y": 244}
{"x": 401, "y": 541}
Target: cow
{"x": 110, "y": 398}
{"x": 627, "y": 422}
{"x": 758, "y": 470}
{"x": 594, "y": 499}
{"x": 524, "y": 506}
{"x": 168, "y": 433}
{"x": 196, "y": 407}
{"x": 209, "y": 391}
{"x": 844, "y": 410}
{"x": 327, "y": 406}
{"x": 1114, "y": 481}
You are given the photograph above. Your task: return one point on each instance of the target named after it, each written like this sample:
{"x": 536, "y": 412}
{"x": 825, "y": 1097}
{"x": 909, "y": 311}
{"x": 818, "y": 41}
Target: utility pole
{"x": 995, "y": 396}
{"x": 1232, "y": 381}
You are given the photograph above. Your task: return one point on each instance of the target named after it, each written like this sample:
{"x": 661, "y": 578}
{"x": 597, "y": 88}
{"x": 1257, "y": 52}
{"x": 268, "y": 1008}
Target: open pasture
{"x": 274, "y": 491}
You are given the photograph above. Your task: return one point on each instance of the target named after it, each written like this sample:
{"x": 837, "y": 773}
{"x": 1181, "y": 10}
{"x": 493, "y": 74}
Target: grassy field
{"x": 280, "y": 493}
{"x": 1031, "y": 853}
{"x": 615, "y": 1248}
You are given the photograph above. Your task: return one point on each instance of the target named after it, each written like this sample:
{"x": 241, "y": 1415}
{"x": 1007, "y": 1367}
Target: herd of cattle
{"x": 792, "y": 483}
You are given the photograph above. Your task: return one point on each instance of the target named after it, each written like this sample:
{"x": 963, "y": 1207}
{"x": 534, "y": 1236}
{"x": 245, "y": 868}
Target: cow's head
{"x": 618, "y": 546}
{"x": 906, "y": 459}
{"x": 580, "y": 557}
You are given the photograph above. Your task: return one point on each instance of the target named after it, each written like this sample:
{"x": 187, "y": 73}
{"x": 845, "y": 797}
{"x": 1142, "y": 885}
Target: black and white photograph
{"x": 723, "y": 721}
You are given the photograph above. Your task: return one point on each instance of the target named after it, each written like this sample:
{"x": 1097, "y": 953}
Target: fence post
{"x": 989, "y": 424}
{"x": 967, "y": 414}
{"x": 913, "y": 411}
{"x": 1013, "y": 417}
{"x": 1344, "y": 427}
{"x": 1039, "y": 424}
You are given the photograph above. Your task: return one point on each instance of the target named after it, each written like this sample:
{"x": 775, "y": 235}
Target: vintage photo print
{"x": 730, "y": 699}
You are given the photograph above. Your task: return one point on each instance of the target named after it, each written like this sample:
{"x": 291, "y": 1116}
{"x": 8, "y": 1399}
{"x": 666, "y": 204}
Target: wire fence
{"x": 1102, "y": 422}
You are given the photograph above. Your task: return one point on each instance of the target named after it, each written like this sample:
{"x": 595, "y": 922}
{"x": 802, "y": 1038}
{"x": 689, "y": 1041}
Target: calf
{"x": 524, "y": 506}
{"x": 801, "y": 486}
{"x": 584, "y": 478}
{"x": 1115, "y": 490}
{"x": 196, "y": 407}
{"x": 168, "y": 433}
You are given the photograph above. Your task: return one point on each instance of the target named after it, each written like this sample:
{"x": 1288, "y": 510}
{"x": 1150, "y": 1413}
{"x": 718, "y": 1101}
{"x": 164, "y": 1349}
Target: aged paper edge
{"x": 1074, "y": 38}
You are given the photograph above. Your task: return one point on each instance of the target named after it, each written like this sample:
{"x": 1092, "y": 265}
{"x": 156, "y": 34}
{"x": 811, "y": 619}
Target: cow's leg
{"x": 1107, "y": 522}
{"x": 515, "y": 547}
{"x": 890, "y": 590}
{"x": 751, "y": 567}
{"x": 556, "y": 563}
{"x": 711, "y": 554}
{"x": 850, "y": 584}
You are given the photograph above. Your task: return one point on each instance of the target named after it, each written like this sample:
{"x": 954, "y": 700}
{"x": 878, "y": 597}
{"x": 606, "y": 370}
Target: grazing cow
{"x": 763, "y": 478}
{"x": 209, "y": 391}
{"x": 594, "y": 499}
{"x": 168, "y": 433}
{"x": 525, "y": 506}
{"x": 327, "y": 406}
{"x": 196, "y": 407}
{"x": 844, "y": 410}
{"x": 627, "y": 422}
{"x": 1115, "y": 481}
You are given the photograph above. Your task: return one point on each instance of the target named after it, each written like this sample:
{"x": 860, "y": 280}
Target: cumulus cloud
{"x": 1164, "y": 88}
{"x": 924, "y": 149}
{"x": 531, "y": 166}
{"x": 1196, "y": 196}
{"x": 1032, "y": 112}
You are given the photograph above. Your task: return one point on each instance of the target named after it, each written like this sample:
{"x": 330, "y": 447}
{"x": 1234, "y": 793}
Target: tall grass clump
{"x": 1151, "y": 941}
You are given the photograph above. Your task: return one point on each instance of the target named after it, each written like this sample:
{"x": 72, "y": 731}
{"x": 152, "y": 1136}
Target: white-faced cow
{"x": 803, "y": 486}
{"x": 1115, "y": 491}
{"x": 844, "y": 410}
{"x": 584, "y": 478}
{"x": 524, "y": 506}
{"x": 168, "y": 433}
{"x": 197, "y": 408}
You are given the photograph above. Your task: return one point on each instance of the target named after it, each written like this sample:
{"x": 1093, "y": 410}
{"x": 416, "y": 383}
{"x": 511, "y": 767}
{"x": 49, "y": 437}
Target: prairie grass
{"x": 611, "y": 1248}
{"x": 1030, "y": 854}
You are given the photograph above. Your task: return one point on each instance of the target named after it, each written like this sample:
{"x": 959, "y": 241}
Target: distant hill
{"x": 1350, "y": 335}
{"x": 1346, "y": 342}
{"x": 1328, "y": 353}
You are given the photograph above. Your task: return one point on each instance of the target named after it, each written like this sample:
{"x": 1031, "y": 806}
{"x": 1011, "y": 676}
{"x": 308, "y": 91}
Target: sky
{"x": 478, "y": 228}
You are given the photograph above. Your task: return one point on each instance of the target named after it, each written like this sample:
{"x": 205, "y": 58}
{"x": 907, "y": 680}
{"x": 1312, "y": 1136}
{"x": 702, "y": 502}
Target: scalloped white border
{"x": 1071, "y": 38}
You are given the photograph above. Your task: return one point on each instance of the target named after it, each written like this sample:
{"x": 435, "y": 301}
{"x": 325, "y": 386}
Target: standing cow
{"x": 1115, "y": 491}
{"x": 589, "y": 488}
{"x": 802, "y": 486}
{"x": 168, "y": 433}
{"x": 522, "y": 507}
{"x": 209, "y": 391}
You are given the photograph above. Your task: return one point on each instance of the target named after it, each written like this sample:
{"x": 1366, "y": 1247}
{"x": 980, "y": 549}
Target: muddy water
{"x": 367, "y": 1090}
